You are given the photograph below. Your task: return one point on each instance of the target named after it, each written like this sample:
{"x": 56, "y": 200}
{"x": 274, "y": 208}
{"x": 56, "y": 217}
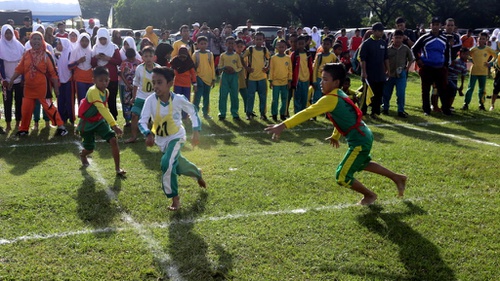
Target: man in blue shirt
{"x": 432, "y": 55}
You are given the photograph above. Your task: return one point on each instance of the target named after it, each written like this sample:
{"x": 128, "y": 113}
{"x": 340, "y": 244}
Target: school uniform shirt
{"x": 344, "y": 40}
{"x": 174, "y": 107}
{"x": 97, "y": 98}
{"x": 242, "y": 75}
{"x": 320, "y": 60}
{"x": 205, "y": 68}
{"x": 178, "y": 44}
{"x": 304, "y": 73}
{"x": 342, "y": 113}
{"x": 355, "y": 43}
{"x": 11, "y": 53}
{"x": 468, "y": 41}
{"x": 233, "y": 60}
{"x": 83, "y": 71}
{"x": 280, "y": 70}
{"x": 143, "y": 80}
{"x": 258, "y": 62}
{"x": 479, "y": 56}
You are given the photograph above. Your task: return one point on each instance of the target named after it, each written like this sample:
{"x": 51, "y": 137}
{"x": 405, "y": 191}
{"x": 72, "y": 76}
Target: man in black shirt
{"x": 25, "y": 31}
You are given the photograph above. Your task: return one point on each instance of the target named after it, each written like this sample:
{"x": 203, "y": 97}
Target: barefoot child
{"x": 346, "y": 118}
{"x": 95, "y": 118}
{"x": 165, "y": 108}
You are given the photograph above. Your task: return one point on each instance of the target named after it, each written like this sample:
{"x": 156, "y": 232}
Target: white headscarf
{"x": 36, "y": 26}
{"x": 63, "y": 61}
{"x": 131, "y": 43}
{"x": 79, "y": 52}
{"x": 108, "y": 49}
{"x": 74, "y": 45}
{"x": 12, "y": 50}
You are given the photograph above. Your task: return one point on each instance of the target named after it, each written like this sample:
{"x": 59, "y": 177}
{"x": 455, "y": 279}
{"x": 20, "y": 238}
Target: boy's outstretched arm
{"x": 276, "y": 130}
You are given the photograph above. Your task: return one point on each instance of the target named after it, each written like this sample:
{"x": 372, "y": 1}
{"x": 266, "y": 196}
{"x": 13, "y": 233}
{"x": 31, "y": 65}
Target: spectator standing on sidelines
{"x": 432, "y": 55}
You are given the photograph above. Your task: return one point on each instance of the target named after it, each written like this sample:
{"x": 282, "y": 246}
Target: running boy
{"x": 479, "y": 72}
{"x": 95, "y": 118}
{"x": 346, "y": 118}
{"x": 205, "y": 75}
{"x": 143, "y": 88}
{"x": 280, "y": 80}
{"x": 229, "y": 65}
{"x": 165, "y": 108}
{"x": 257, "y": 67}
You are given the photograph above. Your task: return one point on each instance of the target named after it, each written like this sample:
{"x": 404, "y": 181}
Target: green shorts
{"x": 137, "y": 107}
{"x": 356, "y": 159}
{"x": 103, "y": 130}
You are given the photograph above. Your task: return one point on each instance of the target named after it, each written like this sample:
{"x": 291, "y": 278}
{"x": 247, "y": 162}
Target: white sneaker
{"x": 492, "y": 108}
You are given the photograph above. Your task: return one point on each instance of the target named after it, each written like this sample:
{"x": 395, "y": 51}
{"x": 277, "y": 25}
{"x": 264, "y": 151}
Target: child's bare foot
{"x": 85, "y": 161}
{"x": 401, "y": 184}
{"x": 368, "y": 200}
{"x": 176, "y": 204}
{"x": 121, "y": 172}
{"x": 131, "y": 140}
{"x": 201, "y": 181}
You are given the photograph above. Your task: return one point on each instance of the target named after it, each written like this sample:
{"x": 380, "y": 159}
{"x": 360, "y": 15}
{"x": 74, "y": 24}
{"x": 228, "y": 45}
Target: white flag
{"x": 110, "y": 18}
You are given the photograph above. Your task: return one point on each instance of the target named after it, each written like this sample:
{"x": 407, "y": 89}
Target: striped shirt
{"x": 433, "y": 50}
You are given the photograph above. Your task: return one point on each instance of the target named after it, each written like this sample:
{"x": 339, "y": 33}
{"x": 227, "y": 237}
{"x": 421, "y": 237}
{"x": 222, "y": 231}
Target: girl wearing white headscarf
{"x": 106, "y": 54}
{"x": 11, "y": 52}
{"x": 73, "y": 38}
{"x": 129, "y": 42}
{"x": 65, "y": 104}
{"x": 80, "y": 59}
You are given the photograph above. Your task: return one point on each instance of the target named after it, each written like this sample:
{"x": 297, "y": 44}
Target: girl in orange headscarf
{"x": 151, "y": 35}
{"x": 38, "y": 68}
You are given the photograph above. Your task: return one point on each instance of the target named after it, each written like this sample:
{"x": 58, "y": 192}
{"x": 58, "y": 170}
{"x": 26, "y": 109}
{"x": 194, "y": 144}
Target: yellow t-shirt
{"x": 233, "y": 60}
{"x": 304, "y": 74}
{"x": 96, "y": 97}
{"x": 259, "y": 61}
{"x": 479, "y": 57}
{"x": 280, "y": 70}
{"x": 177, "y": 45}
{"x": 205, "y": 68}
{"x": 318, "y": 66}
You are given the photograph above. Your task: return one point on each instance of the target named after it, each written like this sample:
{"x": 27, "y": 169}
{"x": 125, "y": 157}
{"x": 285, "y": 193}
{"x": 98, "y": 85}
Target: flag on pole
{"x": 110, "y": 18}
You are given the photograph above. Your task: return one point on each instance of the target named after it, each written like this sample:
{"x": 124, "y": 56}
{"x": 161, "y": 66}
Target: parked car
{"x": 350, "y": 32}
{"x": 123, "y": 31}
{"x": 268, "y": 30}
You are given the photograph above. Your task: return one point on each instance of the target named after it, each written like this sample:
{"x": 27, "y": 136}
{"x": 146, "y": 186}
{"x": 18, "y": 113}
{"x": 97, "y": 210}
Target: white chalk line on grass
{"x": 141, "y": 228}
{"x": 154, "y": 246}
{"x": 404, "y": 125}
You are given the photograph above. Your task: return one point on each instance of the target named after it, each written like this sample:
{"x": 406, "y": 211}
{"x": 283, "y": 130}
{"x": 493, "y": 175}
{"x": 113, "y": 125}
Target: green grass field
{"x": 272, "y": 210}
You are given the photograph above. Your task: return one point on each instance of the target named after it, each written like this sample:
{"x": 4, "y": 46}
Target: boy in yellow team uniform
{"x": 95, "y": 118}
{"x": 347, "y": 121}
{"x": 205, "y": 75}
{"x": 280, "y": 80}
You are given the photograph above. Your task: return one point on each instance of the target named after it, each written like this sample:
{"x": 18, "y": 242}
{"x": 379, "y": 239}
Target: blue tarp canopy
{"x": 45, "y": 10}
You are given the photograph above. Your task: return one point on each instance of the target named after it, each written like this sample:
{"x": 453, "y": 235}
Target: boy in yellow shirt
{"x": 479, "y": 72}
{"x": 242, "y": 75}
{"x": 205, "y": 75}
{"x": 321, "y": 59}
{"x": 280, "y": 80}
{"x": 347, "y": 121}
{"x": 95, "y": 118}
{"x": 257, "y": 67}
{"x": 229, "y": 65}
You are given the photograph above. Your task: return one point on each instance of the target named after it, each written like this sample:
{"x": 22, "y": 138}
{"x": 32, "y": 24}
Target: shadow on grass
{"x": 419, "y": 255}
{"x": 190, "y": 252}
{"x": 95, "y": 207}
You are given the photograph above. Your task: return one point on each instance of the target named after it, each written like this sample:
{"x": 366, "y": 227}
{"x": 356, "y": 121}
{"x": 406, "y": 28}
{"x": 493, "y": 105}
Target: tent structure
{"x": 45, "y": 10}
